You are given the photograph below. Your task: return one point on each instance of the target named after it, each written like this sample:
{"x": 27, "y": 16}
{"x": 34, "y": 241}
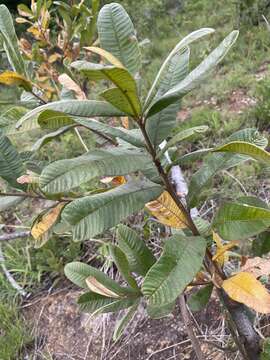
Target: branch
{"x": 12, "y": 236}
{"x": 189, "y": 328}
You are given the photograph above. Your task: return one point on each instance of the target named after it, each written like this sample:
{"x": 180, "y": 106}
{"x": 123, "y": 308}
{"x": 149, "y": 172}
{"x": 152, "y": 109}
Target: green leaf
{"x": 118, "y": 132}
{"x": 11, "y": 166}
{"x": 216, "y": 162}
{"x": 98, "y": 304}
{"x": 120, "y": 260}
{"x": 49, "y": 137}
{"x": 7, "y": 202}
{"x": 198, "y": 300}
{"x": 245, "y": 148}
{"x": 261, "y": 245}
{"x": 195, "y": 35}
{"x": 82, "y": 108}
{"x": 180, "y": 261}
{"x": 182, "y": 135}
{"x": 126, "y": 319}
{"x": 63, "y": 175}
{"x": 235, "y": 221}
{"x": 195, "y": 77}
{"x": 51, "y": 119}
{"x": 265, "y": 355}
{"x": 124, "y": 96}
{"x": 190, "y": 157}
{"x": 160, "y": 125}
{"x": 78, "y": 273}
{"x": 139, "y": 256}
{"x": 117, "y": 35}
{"x": 91, "y": 215}
{"x": 160, "y": 311}
{"x": 10, "y": 41}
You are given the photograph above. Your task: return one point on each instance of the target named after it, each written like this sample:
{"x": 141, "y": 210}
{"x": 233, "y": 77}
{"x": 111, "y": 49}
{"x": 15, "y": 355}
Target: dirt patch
{"x": 239, "y": 101}
{"x": 63, "y": 332}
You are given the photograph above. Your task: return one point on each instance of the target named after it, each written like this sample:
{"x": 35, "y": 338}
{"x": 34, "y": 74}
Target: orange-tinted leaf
{"x": 116, "y": 180}
{"x": 99, "y": 288}
{"x": 167, "y": 212}
{"x": 257, "y": 266}
{"x": 70, "y": 84}
{"x": 12, "y": 78}
{"x": 246, "y": 289}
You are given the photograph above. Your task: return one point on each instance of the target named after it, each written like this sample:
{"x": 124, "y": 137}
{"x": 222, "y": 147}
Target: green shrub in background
{"x": 249, "y": 12}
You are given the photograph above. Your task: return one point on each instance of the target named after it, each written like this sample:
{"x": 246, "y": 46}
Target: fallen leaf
{"x": 167, "y": 212}
{"x": 257, "y": 266}
{"x": 70, "y": 84}
{"x": 246, "y": 289}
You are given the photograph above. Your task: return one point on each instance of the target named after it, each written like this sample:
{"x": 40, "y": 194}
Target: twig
{"x": 81, "y": 140}
{"x": 13, "y": 236}
{"x": 189, "y": 328}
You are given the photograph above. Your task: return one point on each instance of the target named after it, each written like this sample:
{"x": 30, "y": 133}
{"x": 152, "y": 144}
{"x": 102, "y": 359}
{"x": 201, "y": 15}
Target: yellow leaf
{"x": 257, "y": 266}
{"x": 99, "y": 288}
{"x": 167, "y": 212}
{"x": 70, "y": 84}
{"x": 106, "y": 55}
{"x": 221, "y": 255}
{"x": 246, "y": 289}
{"x": 41, "y": 227}
{"x": 34, "y": 30}
{"x": 13, "y": 78}
{"x": 54, "y": 57}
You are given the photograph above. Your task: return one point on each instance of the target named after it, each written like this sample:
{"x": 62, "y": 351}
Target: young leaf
{"x": 221, "y": 255}
{"x": 81, "y": 108}
{"x": 195, "y": 35}
{"x": 245, "y": 148}
{"x": 78, "y": 273}
{"x": 120, "y": 260}
{"x": 98, "y": 304}
{"x": 240, "y": 221}
{"x": 195, "y": 77}
{"x": 91, "y": 215}
{"x": 12, "y": 78}
{"x": 160, "y": 125}
{"x": 167, "y": 212}
{"x": 179, "y": 263}
{"x": 198, "y": 300}
{"x": 123, "y": 323}
{"x": 117, "y": 35}
{"x": 139, "y": 256}
{"x": 126, "y": 86}
{"x": 246, "y": 289}
{"x": 41, "y": 228}
{"x": 63, "y": 175}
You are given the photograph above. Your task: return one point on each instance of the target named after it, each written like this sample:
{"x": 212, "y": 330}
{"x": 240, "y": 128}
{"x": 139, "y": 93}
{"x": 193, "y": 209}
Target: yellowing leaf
{"x": 35, "y": 32}
{"x": 125, "y": 122}
{"x": 167, "y": 212}
{"x": 246, "y": 289}
{"x": 41, "y": 228}
{"x": 70, "y": 84}
{"x": 12, "y": 78}
{"x": 221, "y": 255}
{"x": 116, "y": 180}
{"x": 106, "y": 55}
{"x": 99, "y": 288}
{"x": 257, "y": 266}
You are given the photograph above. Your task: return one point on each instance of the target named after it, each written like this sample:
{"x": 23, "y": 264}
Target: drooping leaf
{"x": 41, "y": 229}
{"x": 245, "y": 148}
{"x": 180, "y": 261}
{"x": 182, "y": 135}
{"x": 217, "y": 161}
{"x": 121, "y": 262}
{"x": 139, "y": 256}
{"x": 117, "y": 35}
{"x": 195, "y": 77}
{"x": 198, "y": 300}
{"x": 78, "y": 273}
{"x": 98, "y": 304}
{"x": 63, "y": 175}
{"x": 195, "y": 35}
{"x": 7, "y": 202}
{"x": 11, "y": 165}
{"x": 81, "y": 108}
{"x": 10, "y": 41}
{"x": 167, "y": 212}
{"x": 91, "y": 215}
{"x": 14, "y": 79}
{"x": 160, "y": 125}
{"x": 123, "y": 323}
{"x": 240, "y": 221}
{"x": 49, "y": 137}
{"x": 246, "y": 289}
{"x": 124, "y": 96}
